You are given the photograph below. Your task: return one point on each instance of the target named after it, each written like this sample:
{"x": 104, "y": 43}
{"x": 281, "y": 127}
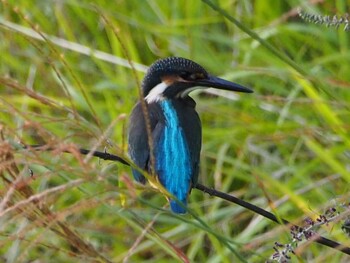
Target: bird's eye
{"x": 200, "y": 76}
{"x": 191, "y": 76}
{"x": 185, "y": 75}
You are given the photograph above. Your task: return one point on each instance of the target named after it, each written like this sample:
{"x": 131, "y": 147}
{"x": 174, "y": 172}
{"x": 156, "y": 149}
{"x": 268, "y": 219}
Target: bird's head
{"x": 175, "y": 77}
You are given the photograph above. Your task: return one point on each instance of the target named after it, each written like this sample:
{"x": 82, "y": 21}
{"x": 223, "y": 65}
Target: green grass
{"x": 284, "y": 148}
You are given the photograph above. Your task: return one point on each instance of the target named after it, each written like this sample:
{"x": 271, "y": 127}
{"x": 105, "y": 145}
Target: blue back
{"x": 176, "y": 147}
{"x": 173, "y": 162}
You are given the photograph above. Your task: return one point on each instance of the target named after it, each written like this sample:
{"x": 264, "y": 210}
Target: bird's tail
{"x": 178, "y": 208}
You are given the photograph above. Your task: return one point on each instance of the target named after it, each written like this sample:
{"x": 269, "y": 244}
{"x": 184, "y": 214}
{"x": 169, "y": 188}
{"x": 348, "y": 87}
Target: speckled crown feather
{"x": 169, "y": 66}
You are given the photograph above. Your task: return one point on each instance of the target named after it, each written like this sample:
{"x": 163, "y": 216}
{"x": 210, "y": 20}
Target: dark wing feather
{"x": 137, "y": 137}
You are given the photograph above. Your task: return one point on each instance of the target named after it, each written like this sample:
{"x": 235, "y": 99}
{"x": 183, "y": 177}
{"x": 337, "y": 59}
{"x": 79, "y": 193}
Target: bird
{"x": 174, "y": 124}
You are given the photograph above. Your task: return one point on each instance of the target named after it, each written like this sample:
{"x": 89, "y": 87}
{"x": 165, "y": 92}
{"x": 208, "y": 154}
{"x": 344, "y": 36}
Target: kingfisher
{"x": 174, "y": 125}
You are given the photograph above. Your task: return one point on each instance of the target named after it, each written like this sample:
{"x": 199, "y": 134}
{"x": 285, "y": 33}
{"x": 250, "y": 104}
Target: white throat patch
{"x": 156, "y": 94}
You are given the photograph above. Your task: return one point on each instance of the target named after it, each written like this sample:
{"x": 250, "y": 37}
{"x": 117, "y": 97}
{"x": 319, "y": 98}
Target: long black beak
{"x": 219, "y": 83}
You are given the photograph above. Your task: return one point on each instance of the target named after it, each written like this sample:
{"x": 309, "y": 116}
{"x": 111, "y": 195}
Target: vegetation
{"x": 66, "y": 82}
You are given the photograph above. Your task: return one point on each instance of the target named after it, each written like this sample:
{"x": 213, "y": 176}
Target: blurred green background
{"x": 65, "y": 81}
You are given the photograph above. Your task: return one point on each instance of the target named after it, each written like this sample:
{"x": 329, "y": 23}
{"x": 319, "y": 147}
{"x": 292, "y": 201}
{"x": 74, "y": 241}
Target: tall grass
{"x": 65, "y": 81}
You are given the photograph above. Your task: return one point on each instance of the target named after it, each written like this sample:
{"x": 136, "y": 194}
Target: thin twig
{"x": 230, "y": 198}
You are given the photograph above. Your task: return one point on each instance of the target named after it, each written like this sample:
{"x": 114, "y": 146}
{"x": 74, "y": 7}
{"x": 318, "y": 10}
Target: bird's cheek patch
{"x": 171, "y": 79}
